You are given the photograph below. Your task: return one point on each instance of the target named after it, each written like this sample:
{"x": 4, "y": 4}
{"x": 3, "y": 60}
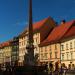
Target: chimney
{"x": 63, "y": 21}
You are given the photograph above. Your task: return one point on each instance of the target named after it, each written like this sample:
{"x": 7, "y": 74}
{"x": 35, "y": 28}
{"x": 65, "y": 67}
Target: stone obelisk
{"x": 30, "y": 46}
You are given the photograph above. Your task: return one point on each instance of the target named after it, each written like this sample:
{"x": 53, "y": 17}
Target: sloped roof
{"x": 57, "y": 33}
{"x": 4, "y": 44}
{"x": 70, "y": 33}
{"x": 38, "y": 25}
{"x": 0, "y": 45}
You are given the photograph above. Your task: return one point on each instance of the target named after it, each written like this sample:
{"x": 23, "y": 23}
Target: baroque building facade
{"x": 1, "y": 54}
{"x": 52, "y": 43}
{"x": 50, "y": 53}
{"x": 15, "y": 51}
{"x": 53, "y": 48}
{"x": 41, "y": 30}
{"x": 67, "y": 44}
{"x": 9, "y": 52}
{"x": 6, "y": 49}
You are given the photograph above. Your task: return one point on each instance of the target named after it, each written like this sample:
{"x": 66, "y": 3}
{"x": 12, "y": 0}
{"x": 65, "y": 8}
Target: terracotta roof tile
{"x": 4, "y": 44}
{"x": 38, "y": 25}
{"x": 57, "y": 33}
{"x": 70, "y": 33}
{"x": 0, "y": 45}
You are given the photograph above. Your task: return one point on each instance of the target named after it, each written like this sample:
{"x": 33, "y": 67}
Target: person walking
{"x": 61, "y": 71}
{"x": 56, "y": 68}
{"x": 51, "y": 68}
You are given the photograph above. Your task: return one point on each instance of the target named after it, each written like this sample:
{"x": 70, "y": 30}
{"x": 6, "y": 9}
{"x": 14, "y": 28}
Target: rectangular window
{"x": 20, "y": 43}
{"x": 55, "y": 54}
{"x": 71, "y": 55}
{"x": 22, "y": 38}
{"x": 50, "y": 47}
{"x": 41, "y": 50}
{"x": 45, "y": 49}
{"x": 41, "y": 56}
{"x": 36, "y": 49}
{"x": 36, "y": 40}
{"x": 62, "y": 47}
{"x": 74, "y": 44}
{"x": 24, "y": 42}
{"x": 15, "y": 46}
{"x": 66, "y": 46}
{"x": 45, "y": 55}
{"x": 70, "y": 45}
{"x": 62, "y": 56}
{"x": 67, "y": 54}
{"x": 55, "y": 47}
{"x": 51, "y": 55}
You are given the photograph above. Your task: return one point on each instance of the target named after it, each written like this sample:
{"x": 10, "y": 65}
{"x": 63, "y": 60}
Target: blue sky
{"x": 14, "y": 14}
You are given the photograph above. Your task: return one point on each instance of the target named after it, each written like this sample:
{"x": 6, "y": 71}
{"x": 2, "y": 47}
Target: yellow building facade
{"x": 68, "y": 51}
{"x": 23, "y": 41}
{"x": 7, "y": 54}
{"x": 1, "y": 55}
{"x": 40, "y": 32}
{"x": 50, "y": 53}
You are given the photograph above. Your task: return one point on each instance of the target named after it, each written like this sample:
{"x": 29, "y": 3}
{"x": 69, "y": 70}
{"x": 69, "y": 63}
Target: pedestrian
{"x": 56, "y": 68}
{"x": 46, "y": 67}
{"x": 51, "y": 68}
{"x": 61, "y": 70}
{"x": 65, "y": 70}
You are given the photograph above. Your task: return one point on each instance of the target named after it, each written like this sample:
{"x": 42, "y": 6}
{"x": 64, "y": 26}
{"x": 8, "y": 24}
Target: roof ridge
{"x": 37, "y": 24}
{"x": 58, "y": 32}
{"x": 42, "y": 20}
{"x": 73, "y": 21}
